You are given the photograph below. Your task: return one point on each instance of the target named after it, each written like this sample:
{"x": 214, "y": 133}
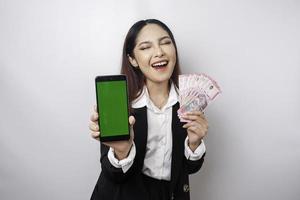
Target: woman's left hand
{"x": 196, "y": 128}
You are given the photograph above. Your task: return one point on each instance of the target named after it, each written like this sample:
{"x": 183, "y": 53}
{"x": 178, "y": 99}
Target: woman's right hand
{"x": 121, "y": 148}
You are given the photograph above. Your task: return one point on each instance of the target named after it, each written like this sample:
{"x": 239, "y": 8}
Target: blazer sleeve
{"x": 114, "y": 174}
{"x": 194, "y": 166}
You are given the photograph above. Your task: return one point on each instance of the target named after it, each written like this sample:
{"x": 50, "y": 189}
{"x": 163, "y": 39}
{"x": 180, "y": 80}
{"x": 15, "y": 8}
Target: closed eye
{"x": 166, "y": 42}
{"x": 144, "y": 47}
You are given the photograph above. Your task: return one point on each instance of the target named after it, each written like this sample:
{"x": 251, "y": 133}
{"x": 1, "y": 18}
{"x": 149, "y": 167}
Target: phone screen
{"x": 112, "y": 103}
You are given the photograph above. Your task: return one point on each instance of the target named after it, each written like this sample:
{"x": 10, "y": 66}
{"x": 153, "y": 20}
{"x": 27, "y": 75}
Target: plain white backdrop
{"x": 51, "y": 51}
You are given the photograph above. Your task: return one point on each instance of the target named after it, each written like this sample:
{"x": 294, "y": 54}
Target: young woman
{"x": 155, "y": 163}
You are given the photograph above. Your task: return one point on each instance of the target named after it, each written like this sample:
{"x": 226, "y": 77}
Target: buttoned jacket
{"x": 114, "y": 184}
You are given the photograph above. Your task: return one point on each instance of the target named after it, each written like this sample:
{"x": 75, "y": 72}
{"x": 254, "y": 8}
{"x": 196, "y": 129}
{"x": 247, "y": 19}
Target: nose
{"x": 159, "y": 51}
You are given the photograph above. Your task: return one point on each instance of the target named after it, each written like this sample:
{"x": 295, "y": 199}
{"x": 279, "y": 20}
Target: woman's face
{"x": 154, "y": 54}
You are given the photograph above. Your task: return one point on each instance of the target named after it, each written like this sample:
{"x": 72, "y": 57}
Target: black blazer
{"x": 113, "y": 184}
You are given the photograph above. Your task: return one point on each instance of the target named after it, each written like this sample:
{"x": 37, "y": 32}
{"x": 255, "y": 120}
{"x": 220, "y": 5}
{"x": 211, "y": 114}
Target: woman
{"x": 162, "y": 152}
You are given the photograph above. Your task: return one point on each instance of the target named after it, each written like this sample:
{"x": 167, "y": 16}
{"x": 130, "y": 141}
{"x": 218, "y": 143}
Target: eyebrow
{"x": 160, "y": 39}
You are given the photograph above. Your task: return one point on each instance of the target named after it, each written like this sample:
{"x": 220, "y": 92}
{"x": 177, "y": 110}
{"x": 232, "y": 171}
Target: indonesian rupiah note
{"x": 196, "y": 92}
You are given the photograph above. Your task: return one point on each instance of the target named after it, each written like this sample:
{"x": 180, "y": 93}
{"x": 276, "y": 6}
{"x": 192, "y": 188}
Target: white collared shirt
{"x": 157, "y": 162}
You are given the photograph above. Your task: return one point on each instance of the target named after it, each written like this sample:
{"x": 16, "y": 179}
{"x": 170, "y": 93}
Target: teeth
{"x": 160, "y": 64}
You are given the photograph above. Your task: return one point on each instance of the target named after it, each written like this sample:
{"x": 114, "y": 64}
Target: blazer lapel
{"x": 178, "y": 135}
{"x": 140, "y": 133}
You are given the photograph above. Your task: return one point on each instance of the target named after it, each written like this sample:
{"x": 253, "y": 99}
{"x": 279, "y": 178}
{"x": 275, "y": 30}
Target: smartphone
{"x": 112, "y": 105}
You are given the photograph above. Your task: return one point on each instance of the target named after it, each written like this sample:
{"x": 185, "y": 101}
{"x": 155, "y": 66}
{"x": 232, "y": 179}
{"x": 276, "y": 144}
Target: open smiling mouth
{"x": 160, "y": 65}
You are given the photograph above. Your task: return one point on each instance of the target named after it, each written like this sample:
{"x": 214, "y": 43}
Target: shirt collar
{"x": 144, "y": 99}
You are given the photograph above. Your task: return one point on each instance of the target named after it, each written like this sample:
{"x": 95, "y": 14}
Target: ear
{"x": 132, "y": 61}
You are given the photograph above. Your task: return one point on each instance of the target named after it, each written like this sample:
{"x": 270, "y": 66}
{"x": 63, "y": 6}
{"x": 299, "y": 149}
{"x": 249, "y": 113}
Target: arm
{"x": 194, "y": 145}
{"x": 120, "y": 151}
{"x": 194, "y": 159}
{"x": 114, "y": 172}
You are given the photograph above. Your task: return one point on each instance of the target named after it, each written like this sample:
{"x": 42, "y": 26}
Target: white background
{"x": 50, "y": 52}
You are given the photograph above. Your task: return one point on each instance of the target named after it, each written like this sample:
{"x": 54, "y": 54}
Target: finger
{"x": 196, "y": 132}
{"x": 196, "y": 112}
{"x": 193, "y": 129}
{"x": 95, "y": 135}
{"x": 94, "y": 117}
{"x": 131, "y": 120}
{"x": 194, "y": 118}
{"x": 189, "y": 124}
{"x": 203, "y": 127}
{"x": 202, "y": 124}
{"x": 93, "y": 126}
{"x": 191, "y": 117}
{"x": 95, "y": 108}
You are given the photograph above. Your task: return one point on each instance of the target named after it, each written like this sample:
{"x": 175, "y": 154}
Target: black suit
{"x": 113, "y": 184}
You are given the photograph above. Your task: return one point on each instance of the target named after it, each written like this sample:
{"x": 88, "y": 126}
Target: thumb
{"x": 131, "y": 120}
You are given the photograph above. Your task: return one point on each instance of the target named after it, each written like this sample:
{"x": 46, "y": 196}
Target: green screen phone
{"x": 112, "y": 105}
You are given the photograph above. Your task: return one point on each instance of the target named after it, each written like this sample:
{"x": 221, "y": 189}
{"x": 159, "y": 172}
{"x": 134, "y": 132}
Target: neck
{"x": 158, "y": 92}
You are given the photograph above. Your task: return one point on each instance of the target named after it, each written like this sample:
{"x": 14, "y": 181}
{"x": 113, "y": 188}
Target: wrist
{"x": 120, "y": 155}
{"x": 194, "y": 145}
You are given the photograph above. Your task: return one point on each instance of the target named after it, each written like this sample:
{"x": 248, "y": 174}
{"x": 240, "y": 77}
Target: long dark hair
{"x": 135, "y": 77}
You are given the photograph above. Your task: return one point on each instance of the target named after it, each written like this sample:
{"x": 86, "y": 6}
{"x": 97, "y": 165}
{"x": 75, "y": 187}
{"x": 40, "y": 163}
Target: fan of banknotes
{"x": 196, "y": 91}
